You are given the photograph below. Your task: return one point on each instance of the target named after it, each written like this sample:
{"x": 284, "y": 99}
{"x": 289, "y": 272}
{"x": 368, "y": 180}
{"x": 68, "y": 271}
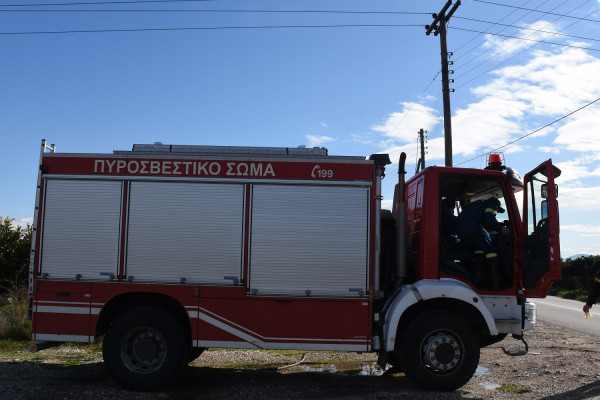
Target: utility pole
{"x": 442, "y": 19}
{"x": 421, "y": 162}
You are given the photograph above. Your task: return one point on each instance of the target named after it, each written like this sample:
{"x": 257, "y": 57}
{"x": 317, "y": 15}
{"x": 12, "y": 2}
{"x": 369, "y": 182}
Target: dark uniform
{"x": 470, "y": 229}
{"x": 448, "y": 218}
{"x": 593, "y": 294}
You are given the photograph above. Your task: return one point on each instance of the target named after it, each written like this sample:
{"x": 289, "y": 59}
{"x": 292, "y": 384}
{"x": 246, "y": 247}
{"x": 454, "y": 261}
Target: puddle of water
{"x": 331, "y": 368}
{"x": 490, "y": 385}
{"x": 362, "y": 369}
{"x": 371, "y": 370}
{"x": 481, "y": 370}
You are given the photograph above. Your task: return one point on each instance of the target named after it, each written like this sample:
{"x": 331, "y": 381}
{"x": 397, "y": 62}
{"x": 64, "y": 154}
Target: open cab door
{"x": 541, "y": 249}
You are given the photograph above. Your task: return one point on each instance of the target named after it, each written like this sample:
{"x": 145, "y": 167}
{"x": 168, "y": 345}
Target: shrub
{"x": 13, "y": 314}
{"x": 15, "y": 246}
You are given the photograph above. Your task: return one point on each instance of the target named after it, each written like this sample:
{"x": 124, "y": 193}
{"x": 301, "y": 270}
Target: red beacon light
{"x": 495, "y": 158}
{"x": 495, "y": 162}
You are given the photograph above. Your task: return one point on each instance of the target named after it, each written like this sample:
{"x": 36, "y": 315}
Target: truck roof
{"x": 159, "y": 148}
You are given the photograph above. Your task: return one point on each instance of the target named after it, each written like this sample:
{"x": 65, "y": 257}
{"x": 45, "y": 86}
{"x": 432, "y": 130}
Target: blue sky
{"x": 355, "y": 89}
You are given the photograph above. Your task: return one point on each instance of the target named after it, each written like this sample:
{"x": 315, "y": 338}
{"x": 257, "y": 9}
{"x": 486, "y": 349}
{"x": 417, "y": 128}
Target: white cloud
{"x": 550, "y": 85}
{"x": 552, "y": 150}
{"x": 578, "y": 197}
{"x": 504, "y": 47}
{"x": 23, "y": 222}
{"x": 516, "y": 102}
{"x": 367, "y": 139}
{"x": 395, "y": 151}
{"x": 582, "y": 132}
{"x": 582, "y": 230}
{"x": 487, "y": 124}
{"x": 387, "y": 204}
{"x": 579, "y": 168}
{"x": 404, "y": 125}
{"x": 315, "y": 141}
{"x": 428, "y": 97}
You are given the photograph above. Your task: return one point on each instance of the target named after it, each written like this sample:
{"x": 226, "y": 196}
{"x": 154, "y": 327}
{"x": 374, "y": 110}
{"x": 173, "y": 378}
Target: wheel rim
{"x": 143, "y": 350}
{"x": 441, "y": 351}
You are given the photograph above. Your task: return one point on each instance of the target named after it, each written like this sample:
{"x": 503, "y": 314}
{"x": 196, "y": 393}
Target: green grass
{"x": 576, "y": 294}
{"x": 67, "y": 355}
{"x": 13, "y": 315}
{"x": 9, "y": 345}
{"x": 514, "y": 389}
{"x": 560, "y": 330}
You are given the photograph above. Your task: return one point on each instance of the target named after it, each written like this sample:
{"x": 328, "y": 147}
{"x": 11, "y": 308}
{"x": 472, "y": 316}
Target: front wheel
{"x": 145, "y": 349}
{"x": 194, "y": 352}
{"x": 439, "y": 351}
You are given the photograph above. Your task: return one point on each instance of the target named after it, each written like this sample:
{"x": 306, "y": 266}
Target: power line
{"x": 514, "y": 56}
{"x": 518, "y": 27}
{"x": 533, "y": 10}
{"x": 521, "y": 18}
{"x": 100, "y": 3}
{"x": 493, "y": 23}
{"x": 434, "y": 123}
{"x": 492, "y": 47}
{"x": 530, "y": 40}
{"x": 99, "y": 10}
{"x": 213, "y": 28}
{"x": 579, "y": 197}
{"x": 531, "y": 133}
{"x": 404, "y": 116}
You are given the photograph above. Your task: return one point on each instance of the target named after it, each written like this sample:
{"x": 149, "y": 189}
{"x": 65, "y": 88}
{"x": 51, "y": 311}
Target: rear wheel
{"x": 145, "y": 349}
{"x": 439, "y": 351}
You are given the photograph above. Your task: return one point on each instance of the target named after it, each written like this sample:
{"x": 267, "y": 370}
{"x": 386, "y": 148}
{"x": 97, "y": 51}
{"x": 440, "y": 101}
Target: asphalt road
{"x": 568, "y": 314}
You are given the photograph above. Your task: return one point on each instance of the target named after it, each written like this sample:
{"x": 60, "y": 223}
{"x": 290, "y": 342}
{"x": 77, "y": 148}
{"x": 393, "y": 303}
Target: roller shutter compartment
{"x": 309, "y": 240}
{"x": 81, "y": 224}
{"x": 189, "y": 231}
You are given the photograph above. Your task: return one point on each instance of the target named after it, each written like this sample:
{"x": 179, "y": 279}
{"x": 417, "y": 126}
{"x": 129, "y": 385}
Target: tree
{"x": 15, "y": 247}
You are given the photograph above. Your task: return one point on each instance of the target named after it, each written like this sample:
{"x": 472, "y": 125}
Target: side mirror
{"x": 545, "y": 190}
{"x": 544, "y": 209}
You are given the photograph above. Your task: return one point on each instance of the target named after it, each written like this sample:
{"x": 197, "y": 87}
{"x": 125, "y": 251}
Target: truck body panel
{"x": 257, "y": 253}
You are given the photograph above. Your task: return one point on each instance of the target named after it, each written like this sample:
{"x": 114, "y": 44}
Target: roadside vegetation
{"x": 15, "y": 246}
{"x": 577, "y": 277}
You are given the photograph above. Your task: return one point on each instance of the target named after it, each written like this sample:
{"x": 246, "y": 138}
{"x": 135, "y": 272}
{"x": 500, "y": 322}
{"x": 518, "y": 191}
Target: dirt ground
{"x": 560, "y": 365}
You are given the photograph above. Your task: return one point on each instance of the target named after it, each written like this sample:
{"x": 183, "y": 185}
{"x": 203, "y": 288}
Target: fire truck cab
{"x": 168, "y": 250}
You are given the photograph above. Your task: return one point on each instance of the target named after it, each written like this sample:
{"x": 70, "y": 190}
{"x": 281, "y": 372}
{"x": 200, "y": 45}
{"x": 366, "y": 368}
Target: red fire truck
{"x": 168, "y": 250}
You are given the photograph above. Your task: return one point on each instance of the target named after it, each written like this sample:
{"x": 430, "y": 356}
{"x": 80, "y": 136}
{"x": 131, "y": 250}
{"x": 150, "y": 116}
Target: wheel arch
{"x": 425, "y": 295}
{"x": 124, "y": 302}
{"x": 469, "y": 313}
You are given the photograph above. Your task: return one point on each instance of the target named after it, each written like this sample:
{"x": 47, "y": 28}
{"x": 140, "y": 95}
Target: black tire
{"x": 451, "y": 347}
{"x": 194, "y": 353}
{"x": 145, "y": 349}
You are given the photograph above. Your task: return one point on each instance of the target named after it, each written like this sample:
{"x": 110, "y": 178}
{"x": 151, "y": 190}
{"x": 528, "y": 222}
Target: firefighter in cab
{"x": 471, "y": 227}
